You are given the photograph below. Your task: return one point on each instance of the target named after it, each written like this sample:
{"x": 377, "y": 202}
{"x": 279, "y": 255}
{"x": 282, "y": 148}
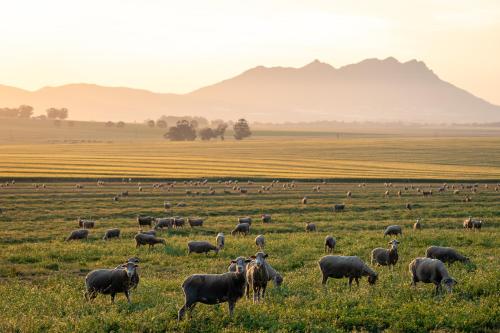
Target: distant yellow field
{"x": 291, "y": 157}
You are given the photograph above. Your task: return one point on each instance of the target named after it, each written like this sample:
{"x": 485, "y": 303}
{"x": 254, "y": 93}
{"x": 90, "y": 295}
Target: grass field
{"x": 42, "y": 277}
{"x": 261, "y": 157}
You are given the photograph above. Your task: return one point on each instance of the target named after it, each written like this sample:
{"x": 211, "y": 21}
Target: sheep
{"x": 219, "y": 240}
{"x": 304, "y": 200}
{"x": 145, "y": 220}
{"x": 163, "y": 223}
{"x": 472, "y": 224}
{"x": 146, "y": 239}
{"x": 179, "y": 222}
{"x": 427, "y": 193}
{"x": 181, "y": 204}
{"x": 241, "y": 228}
{"x": 429, "y": 270}
{"x": 260, "y": 241}
{"x": 215, "y": 288}
{"x": 349, "y": 194}
{"x": 201, "y": 247}
{"x": 195, "y": 222}
{"x": 310, "y": 227}
{"x": 393, "y": 230}
{"x": 409, "y": 206}
{"x": 167, "y": 205}
{"x": 134, "y": 279}
{"x": 86, "y": 224}
{"x": 78, "y": 234}
{"x": 110, "y": 282}
{"x": 111, "y": 233}
{"x": 386, "y": 193}
{"x": 257, "y": 276}
{"x": 266, "y": 218}
{"x": 417, "y": 225}
{"x": 272, "y": 274}
{"x": 445, "y": 254}
{"x": 246, "y": 219}
{"x": 386, "y": 257}
{"x": 351, "y": 267}
{"x": 329, "y": 244}
{"x": 338, "y": 207}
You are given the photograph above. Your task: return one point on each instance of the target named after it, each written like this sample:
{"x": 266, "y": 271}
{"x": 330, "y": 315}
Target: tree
{"x": 150, "y": 123}
{"x": 206, "y": 133}
{"x": 109, "y": 124}
{"x": 25, "y": 111}
{"x": 161, "y": 123}
{"x": 220, "y": 130}
{"x": 241, "y": 129}
{"x": 53, "y": 113}
{"x": 183, "y": 131}
{"x": 63, "y": 113}
{"x": 120, "y": 124}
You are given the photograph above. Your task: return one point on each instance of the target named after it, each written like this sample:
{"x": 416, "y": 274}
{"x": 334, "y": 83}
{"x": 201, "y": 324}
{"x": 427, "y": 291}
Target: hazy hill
{"x": 372, "y": 90}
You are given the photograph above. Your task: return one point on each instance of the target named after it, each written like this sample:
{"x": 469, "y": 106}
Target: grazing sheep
{"x": 304, "y": 200}
{"x": 124, "y": 194}
{"x": 134, "y": 279}
{"x": 219, "y": 240}
{"x": 257, "y": 276}
{"x": 246, "y": 219}
{"x": 145, "y": 220}
{"x": 386, "y": 193}
{"x": 195, "y": 222}
{"x": 260, "y": 241}
{"x": 162, "y": 223}
{"x": 201, "y": 247}
{"x": 472, "y": 224}
{"x": 86, "y": 224}
{"x": 179, "y": 222}
{"x": 266, "y": 218}
{"x": 78, "y": 234}
{"x": 409, "y": 206}
{"x": 428, "y": 270}
{"x": 349, "y": 194}
{"x": 393, "y": 230}
{"x": 329, "y": 244}
{"x": 310, "y": 227}
{"x": 111, "y": 233}
{"x": 146, "y": 239}
{"x": 417, "y": 225}
{"x": 445, "y": 254}
{"x": 215, "y": 288}
{"x": 116, "y": 198}
{"x": 273, "y": 275}
{"x": 181, "y": 204}
{"x": 351, "y": 267}
{"x": 110, "y": 282}
{"x": 241, "y": 228}
{"x": 386, "y": 257}
{"x": 338, "y": 207}
{"x": 427, "y": 193}
{"x": 167, "y": 205}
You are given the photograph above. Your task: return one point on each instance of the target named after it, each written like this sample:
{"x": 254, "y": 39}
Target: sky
{"x": 179, "y": 46}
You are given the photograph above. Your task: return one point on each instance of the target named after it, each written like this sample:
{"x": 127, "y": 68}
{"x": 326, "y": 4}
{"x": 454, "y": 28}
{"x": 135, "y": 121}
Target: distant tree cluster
{"x": 185, "y": 130}
{"x": 208, "y": 133}
{"x": 241, "y": 129}
{"x": 54, "y": 113}
{"x": 23, "y": 111}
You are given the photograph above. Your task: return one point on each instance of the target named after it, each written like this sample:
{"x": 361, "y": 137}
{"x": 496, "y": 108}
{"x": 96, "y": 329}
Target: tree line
{"x": 26, "y": 112}
{"x": 187, "y": 130}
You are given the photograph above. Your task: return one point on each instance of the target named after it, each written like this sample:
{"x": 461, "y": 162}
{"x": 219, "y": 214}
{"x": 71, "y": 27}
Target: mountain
{"x": 371, "y": 90}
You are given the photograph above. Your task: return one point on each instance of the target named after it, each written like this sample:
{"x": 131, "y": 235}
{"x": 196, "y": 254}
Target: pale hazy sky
{"x": 178, "y": 46}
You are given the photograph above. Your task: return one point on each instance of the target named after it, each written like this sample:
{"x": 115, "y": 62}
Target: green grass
{"x": 42, "y": 277}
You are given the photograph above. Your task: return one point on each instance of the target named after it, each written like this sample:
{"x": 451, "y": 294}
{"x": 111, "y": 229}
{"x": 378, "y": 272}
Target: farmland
{"x": 42, "y": 277}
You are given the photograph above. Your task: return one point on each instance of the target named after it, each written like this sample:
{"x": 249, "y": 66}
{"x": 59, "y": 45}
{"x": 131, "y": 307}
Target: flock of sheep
{"x": 251, "y": 274}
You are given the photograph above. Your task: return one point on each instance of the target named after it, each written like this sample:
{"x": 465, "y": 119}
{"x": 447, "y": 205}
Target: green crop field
{"x": 42, "y": 277}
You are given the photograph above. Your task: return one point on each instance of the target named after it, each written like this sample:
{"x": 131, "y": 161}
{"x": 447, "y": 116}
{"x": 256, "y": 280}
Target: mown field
{"x": 42, "y": 277}
{"x": 261, "y": 157}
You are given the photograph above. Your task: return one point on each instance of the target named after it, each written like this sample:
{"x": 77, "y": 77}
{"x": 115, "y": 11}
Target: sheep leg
{"x": 255, "y": 294}
{"x": 357, "y": 281}
{"x": 350, "y": 282}
{"x": 325, "y": 278}
{"x": 127, "y": 294}
{"x": 264, "y": 290}
{"x": 248, "y": 290}
{"x": 112, "y": 298}
{"x": 231, "y": 305}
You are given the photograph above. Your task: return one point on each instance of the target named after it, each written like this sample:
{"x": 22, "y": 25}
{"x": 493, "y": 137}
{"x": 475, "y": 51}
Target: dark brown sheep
{"x": 78, "y": 234}
{"x": 110, "y": 282}
{"x": 215, "y": 288}
{"x": 145, "y": 239}
{"x": 201, "y": 247}
{"x": 339, "y": 207}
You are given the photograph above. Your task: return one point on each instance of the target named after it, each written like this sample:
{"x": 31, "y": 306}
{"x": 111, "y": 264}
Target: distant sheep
{"x": 351, "y": 267}
{"x": 393, "y": 230}
{"x": 260, "y": 241}
{"x": 339, "y": 207}
{"x": 78, "y": 234}
{"x": 329, "y": 244}
{"x": 417, "y": 225}
{"x": 111, "y": 233}
{"x": 145, "y": 220}
{"x": 246, "y": 219}
{"x": 219, "y": 240}
{"x": 428, "y": 270}
{"x": 201, "y": 247}
{"x": 161, "y": 223}
{"x": 304, "y": 200}
{"x": 146, "y": 239}
{"x": 266, "y": 218}
{"x": 310, "y": 227}
{"x": 241, "y": 228}
{"x": 86, "y": 224}
{"x": 195, "y": 222}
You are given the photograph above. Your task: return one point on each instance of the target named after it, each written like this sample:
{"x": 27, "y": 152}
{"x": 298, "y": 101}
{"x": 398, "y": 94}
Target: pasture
{"x": 42, "y": 277}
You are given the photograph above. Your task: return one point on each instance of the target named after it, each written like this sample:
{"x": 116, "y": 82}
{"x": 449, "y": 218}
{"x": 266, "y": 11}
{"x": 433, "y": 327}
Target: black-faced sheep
{"x": 338, "y": 207}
